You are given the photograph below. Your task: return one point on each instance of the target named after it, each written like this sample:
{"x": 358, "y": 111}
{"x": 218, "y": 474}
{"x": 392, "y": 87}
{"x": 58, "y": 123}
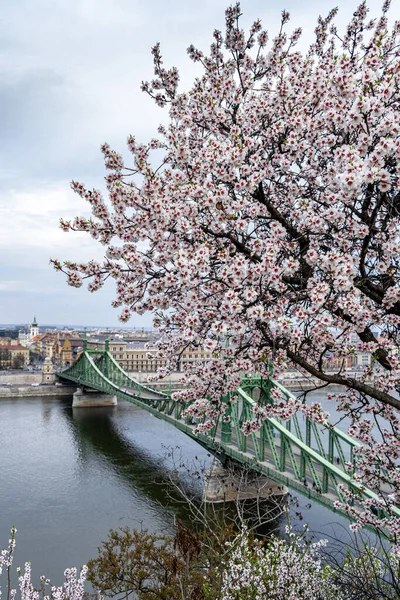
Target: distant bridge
{"x": 309, "y": 458}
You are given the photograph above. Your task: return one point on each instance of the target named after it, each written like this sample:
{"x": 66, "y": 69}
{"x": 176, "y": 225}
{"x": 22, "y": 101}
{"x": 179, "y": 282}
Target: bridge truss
{"x": 318, "y": 461}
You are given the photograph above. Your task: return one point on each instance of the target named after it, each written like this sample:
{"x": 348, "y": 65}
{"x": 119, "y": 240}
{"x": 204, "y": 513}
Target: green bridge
{"x": 311, "y": 459}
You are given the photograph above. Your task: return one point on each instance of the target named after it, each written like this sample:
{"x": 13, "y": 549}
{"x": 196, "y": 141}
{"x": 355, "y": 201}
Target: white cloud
{"x": 70, "y": 74}
{"x": 30, "y": 220}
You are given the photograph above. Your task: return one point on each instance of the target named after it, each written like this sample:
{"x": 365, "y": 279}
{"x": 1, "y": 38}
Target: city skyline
{"x": 71, "y": 75}
{"x": 78, "y": 326}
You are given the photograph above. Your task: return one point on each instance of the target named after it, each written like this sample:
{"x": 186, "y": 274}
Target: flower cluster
{"x": 287, "y": 569}
{"x": 72, "y": 588}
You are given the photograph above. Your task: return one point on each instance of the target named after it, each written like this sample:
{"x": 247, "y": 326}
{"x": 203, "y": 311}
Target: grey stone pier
{"x": 231, "y": 485}
{"x": 85, "y": 398}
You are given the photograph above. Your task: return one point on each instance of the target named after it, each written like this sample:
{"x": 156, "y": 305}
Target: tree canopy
{"x": 272, "y": 220}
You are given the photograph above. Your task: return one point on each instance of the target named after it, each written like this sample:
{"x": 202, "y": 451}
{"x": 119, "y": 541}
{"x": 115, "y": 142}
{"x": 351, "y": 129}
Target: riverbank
{"x": 299, "y": 385}
{"x": 28, "y": 384}
{"x": 27, "y": 391}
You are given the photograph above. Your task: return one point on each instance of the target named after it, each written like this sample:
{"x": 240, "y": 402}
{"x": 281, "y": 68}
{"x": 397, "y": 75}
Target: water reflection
{"x": 68, "y": 476}
{"x": 98, "y": 434}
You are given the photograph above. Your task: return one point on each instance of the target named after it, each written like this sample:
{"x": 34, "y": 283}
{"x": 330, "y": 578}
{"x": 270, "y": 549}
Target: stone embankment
{"x": 27, "y": 384}
{"x": 24, "y": 391}
{"x": 22, "y": 378}
{"x": 299, "y": 384}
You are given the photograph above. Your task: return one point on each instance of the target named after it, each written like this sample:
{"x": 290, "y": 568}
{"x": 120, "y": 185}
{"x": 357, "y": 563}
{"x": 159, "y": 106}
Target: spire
{"x": 34, "y": 324}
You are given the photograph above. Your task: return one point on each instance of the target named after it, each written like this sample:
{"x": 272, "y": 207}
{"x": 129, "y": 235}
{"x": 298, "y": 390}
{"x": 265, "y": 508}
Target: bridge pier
{"x": 85, "y": 398}
{"x": 229, "y": 485}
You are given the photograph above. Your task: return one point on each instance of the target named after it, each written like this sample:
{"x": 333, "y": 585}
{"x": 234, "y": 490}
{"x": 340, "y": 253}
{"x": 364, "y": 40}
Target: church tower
{"x": 34, "y": 329}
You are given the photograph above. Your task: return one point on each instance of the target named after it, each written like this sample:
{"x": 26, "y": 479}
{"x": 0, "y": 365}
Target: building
{"x": 37, "y": 343}
{"x": 23, "y": 338}
{"x": 34, "y": 328}
{"x": 96, "y": 345}
{"x": 48, "y": 345}
{"x": 66, "y": 349}
{"x": 135, "y": 357}
{"x": 65, "y": 357}
{"x": 13, "y": 355}
{"x": 9, "y": 333}
{"x": 335, "y": 364}
{"x": 31, "y": 331}
{"x": 62, "y": 348}
{"x": 6, "y": 341}
{"x": 363, "y": 359}
{"x": 48, "y": 372}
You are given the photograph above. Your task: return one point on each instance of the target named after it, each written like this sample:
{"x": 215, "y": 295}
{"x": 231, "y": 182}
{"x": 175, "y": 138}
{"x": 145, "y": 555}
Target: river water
{"x": 68, "y": 475}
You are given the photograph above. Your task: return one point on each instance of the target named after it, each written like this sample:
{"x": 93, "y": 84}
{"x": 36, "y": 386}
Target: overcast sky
{"x": 70, "y": 80}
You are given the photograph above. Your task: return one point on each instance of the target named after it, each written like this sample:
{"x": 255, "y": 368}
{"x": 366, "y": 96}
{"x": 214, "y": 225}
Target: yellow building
{"x": 6, "y": 341}
{"x": 136, "y": 358}
{"x": 13, "y": 356}
{"x": 41, "y": 342}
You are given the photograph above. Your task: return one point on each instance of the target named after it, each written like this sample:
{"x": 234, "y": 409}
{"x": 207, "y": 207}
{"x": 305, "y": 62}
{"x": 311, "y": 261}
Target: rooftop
{"x": 13, "y": 347}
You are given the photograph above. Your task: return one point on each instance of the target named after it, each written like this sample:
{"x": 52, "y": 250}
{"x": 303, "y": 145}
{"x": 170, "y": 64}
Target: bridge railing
{"x": 320, "y": 458}
{"x": 316, "y": 460}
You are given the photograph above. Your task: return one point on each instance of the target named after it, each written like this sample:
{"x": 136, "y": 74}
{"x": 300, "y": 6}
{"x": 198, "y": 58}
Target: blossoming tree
{"x": 272, "y": 222}
{"x": 286, "y": 569}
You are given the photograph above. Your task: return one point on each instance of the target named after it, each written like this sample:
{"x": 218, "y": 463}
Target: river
{"x": 68, "y": 475}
